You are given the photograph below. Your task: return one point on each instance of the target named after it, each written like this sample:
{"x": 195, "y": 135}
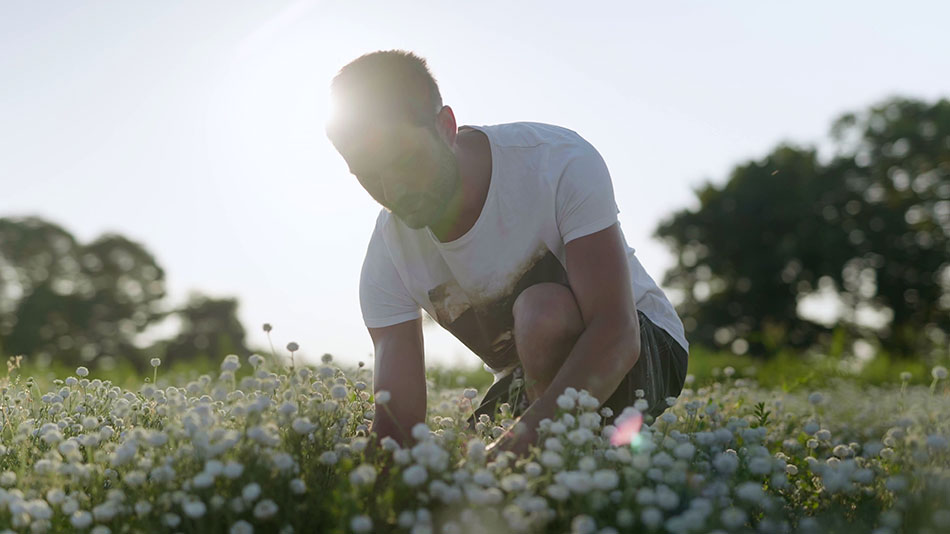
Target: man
{"x": 508, "y": 236}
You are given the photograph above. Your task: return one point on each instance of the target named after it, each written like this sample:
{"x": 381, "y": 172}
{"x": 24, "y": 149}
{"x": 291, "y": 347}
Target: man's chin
{"x": 412, "y": 221}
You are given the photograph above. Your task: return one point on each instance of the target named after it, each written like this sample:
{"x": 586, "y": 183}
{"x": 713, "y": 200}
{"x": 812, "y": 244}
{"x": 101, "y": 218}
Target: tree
{"x": 870, "y": 225}
{"x": 210, "y": 329}
{"x": 74, "y": 302}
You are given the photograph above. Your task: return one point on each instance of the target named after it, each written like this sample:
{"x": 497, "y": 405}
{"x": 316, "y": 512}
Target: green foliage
{"x": 444, "y": 377}
{"x": 760, "y": 415}
{"x": 872, "y": 225}
{"x": 85, "y": 303}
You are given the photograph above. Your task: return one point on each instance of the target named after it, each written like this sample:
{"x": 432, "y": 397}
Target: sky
{"x": 197, "y": 128}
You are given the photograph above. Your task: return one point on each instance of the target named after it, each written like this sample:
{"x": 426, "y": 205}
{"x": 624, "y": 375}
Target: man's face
{"x": 408, "y": 169}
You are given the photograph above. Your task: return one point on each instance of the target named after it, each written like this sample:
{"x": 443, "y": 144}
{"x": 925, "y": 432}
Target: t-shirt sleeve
{"x": 585, "y": 195}
{"x": 384, "y": 299}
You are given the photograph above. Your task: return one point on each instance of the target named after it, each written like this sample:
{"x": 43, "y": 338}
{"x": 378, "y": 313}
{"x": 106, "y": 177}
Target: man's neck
{"x": 473, "y": 153}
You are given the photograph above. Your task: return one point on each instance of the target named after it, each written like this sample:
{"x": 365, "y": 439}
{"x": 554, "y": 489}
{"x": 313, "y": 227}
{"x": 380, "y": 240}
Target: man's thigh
{"x": 660, "y": 372}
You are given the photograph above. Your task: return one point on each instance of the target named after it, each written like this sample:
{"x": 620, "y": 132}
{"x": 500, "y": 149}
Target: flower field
{"x": 286, "y": 450}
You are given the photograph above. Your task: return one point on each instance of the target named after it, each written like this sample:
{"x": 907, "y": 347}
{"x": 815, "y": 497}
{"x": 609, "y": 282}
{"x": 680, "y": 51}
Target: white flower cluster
{"x": 243, "y": 451}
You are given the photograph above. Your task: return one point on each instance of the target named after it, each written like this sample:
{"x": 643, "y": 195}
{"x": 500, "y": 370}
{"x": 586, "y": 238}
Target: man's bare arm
{"x": 399, "y": 369}
{"x": 599, "y": 277}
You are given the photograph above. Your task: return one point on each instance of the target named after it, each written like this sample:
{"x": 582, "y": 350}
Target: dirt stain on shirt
{"x": 485, "y": 324}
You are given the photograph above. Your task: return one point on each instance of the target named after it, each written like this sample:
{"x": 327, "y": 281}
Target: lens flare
{"x": 628, "y": 431}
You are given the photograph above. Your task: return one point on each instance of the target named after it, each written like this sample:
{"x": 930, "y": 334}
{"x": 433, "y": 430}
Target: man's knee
{"x": 546, "y": 314}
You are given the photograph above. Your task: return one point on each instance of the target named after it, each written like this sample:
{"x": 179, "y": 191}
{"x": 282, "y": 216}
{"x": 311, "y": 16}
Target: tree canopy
{"x": 870, "y": 224}
{"x": 76, "y": 303}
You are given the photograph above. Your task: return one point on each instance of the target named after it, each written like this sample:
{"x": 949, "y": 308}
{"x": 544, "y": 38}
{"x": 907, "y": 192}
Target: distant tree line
{"x": 79, "y": 302}
{"x": 870, "y": 224}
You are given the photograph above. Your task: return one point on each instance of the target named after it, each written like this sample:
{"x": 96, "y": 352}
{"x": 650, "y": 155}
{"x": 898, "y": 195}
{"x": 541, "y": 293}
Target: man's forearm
{"x": 603, "y": 354}
{"x": 396, "y": 423}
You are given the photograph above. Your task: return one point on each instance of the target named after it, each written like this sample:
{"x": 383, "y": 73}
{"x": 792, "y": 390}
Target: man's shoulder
{"x": 525, "y": 134}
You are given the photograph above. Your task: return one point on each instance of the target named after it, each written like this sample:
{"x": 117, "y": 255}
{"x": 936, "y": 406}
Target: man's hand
{"x": 518, "y": 440}
{"x": 400, "y": 370}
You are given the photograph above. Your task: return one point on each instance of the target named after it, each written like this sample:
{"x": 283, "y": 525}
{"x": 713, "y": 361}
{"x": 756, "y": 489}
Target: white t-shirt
{"x": 548, "y": 186}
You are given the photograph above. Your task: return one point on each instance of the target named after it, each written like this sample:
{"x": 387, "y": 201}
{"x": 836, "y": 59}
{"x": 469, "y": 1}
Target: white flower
{"x": 475, "y": 450}
{"x": 82, "y": 371}
{"x": 415, "y": 475}
{"x": 651, "y": 517}
{"x": 55, "y": 496}
{"x": 565, "y": 402}
{"x": 558, "y": 492}
{"x": 606, "y": 479}
{"x": 194, "y": 509}
{"x": 233, "y": 470}
{"x": 580, "y": 436}
{"x": 241, "y": 527}
{"x": 203, "y": 480}
{"x": 896, "y": 483}
{"x": 251, "y": 492}
{"x": 587, "y": 464}
{"x": 420, "y": 431}
{"x": 231, "y": 363}
{"x": 81, "y": 519}
{"x": 470, "y": 393}
{"x": 382, "y": 397}
{"x": 364, "y": 475}
{"x": 156, "y": 362}
{"x": 939, "y": 372}
{"x": 760, "y": 465}
{"x": 589, "y": 420}
{"x": 287, "y": 408}
{"x": 751, "y": 492}
{"x": 906, "y": 376}
{"x": 361, "y": 524}
{"x": 666, "y": 498}
{"x": 105, "y": 512}
{"x": 726, "y": 463}
{"x": 303, "y": 426}
{"x": 587, "y": 401}
{"x": 816, "y": 398}
{"x": 684, "y": 451}
{"x": 514, "y": 482}
{"x": 328, "y": 458}
{"x": 583, "y": 524}
{"x": 338, "y": 391}
{"x": 143, "y": 508}
{"x": 551, "y": 459}
{"x": 533, "y": 469}
{"x": 936, "y": 441}
{"x": 298, "y": 486}
{"x": 265, "y": 509}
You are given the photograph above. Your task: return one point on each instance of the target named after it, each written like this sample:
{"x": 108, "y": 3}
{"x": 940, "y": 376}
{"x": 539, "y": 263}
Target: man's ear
{"x": 445, "y": 123}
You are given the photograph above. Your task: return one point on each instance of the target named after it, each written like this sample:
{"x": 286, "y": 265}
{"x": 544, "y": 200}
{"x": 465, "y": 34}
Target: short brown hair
{"x": 392, "y": 84}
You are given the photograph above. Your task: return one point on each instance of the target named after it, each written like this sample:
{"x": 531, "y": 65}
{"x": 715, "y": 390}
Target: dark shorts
{"x": 660, "y": 372}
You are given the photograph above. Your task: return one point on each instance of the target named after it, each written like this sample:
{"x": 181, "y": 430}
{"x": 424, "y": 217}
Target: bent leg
{"x": 547, "y": 325}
